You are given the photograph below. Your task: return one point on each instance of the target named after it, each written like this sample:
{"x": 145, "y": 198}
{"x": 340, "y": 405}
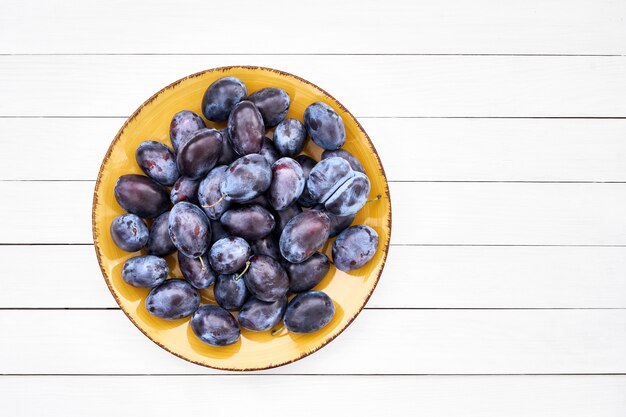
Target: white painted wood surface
{"x": 474, "y": 396}
{"x": 502, "y": 128}
{"x": 368, "y": 85}
{"x": 442, "y": 341}
{"x": 326, "y": 26}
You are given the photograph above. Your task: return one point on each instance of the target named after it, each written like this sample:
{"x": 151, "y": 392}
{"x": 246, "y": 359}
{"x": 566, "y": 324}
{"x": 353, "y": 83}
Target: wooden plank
{"x": 423, "y": 213}
{"x": 435, "y": 396}
{"x": 414, "y": 277}
{"x": 370, "y": 86}
{"x": 478, "y": 27}
{"x": 378, "y": 342}
{"x": 411, "y": 149}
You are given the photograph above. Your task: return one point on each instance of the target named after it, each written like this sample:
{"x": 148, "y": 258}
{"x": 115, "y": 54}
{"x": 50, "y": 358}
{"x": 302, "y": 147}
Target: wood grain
{"x": 377, "y": 342}
{"x": 369, "y": 86}
{"x": 435, "y": 396}
{"x": 477, "y": 27}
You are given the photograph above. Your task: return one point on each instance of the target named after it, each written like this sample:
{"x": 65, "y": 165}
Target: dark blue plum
{"x": 282, "y": 217}
{"x": 221, "y": 97}
{"x": 183, "y": 124}
{"x": 325, "y": 126}
{"x": 259, "y": 316}
{"x": 197, "y": 271}
{"x": 173, "y": 300}
{"x": 145, "y": 271}
{"x": 273, "y": 104}
{"x": 267, "y": 245}
{"x": 189, "y": 229}
{"x": 304, "y": 235}
{"x": 259, "y": 200}
{"x": 129, "y": 232}
{"x": 185, "y": 189}
{"x": 215, "y": 326}
{"x": 199, "y": 154}
{"x": 230, "y": 291}
{"x": 246, "y": 178}
{"x": 266, "y": 279}
{"x": 307, "y": 163}
{"x": 306, "y": 275}
{"x": 140, "y": 195}
{"x": 217, "y": 231}
{"x": 209, "y": 193}
{"x": 249, "y": 222}
{"x": 246, "y": 129}
{"x": 354, "y": 247}
{"x": 228, "y": 153}
{"x": 350, "y": 197}
{"x": 289, "y": 137}
{"x": 268, "y": 150}
{"x": 287, "y": 183}
{"x": 339, "y": 223}
{"x": 157, "y": 161}
{"x": 159, "y": 242}
{"x": 326, "y": 177}
{"x": 351, "y": 159}
{"x": 308, "y": 312}
{"x": 229, "y": 255}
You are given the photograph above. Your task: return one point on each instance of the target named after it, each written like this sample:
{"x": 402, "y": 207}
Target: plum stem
{"x": 217, "y": 202}
{"x": 244, "y": 271}
{"x": 378, "y": 197}
{"x": 202, "y": 262}
{"x": 276, "y": 331}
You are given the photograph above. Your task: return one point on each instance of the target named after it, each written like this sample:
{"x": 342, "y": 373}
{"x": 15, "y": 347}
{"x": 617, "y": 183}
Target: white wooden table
{"x": 502, "y": 127}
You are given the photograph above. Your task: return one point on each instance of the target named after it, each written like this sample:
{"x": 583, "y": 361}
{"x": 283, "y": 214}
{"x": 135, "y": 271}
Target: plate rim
{"x": 108, "y": 155}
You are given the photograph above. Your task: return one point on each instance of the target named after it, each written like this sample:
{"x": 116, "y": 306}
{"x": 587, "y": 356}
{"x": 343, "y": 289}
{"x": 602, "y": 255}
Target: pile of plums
{"x": 249, "y": 216}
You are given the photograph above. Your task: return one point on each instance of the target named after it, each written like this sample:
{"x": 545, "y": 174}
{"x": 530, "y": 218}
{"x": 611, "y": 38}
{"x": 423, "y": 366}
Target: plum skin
{"x": 308, "y": 312}
{"x": 129, "y": 232}
{"x": 172, "y": 300}
{"x": 215, "y": 326}
{"x": 354, "y": 247}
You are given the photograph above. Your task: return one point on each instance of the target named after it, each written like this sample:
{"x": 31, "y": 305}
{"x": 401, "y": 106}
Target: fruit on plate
{"x": 230, "y": 291}
{"x": 247, "y": 213}
{"x": 245, "y": 128}
{"x": 259, "y": 316}
{"x": 140, "y": 195}
{"x": 309, "y": 312}
{"x": 183, "y": 124}
{"x": 145, "y": 271}
{"x": 189, "y": 229}
{"x": 157, "y": 161}
{"x": 173, "y": 300}
{"x": 159, "y": 241}
{"x": 196, "y": 270}
{"x": 221, "y": 97}
{"x": 304, "y": 235}
{"x": 273, "y": 104}
{"x": 290, "y": 137}
{"x": 229, "y": 255}
{"x": 324, "y": 126}
{"x": 215, "y": 326}
{"x": 354, "y": 247}
{"x": 129, "y": 232}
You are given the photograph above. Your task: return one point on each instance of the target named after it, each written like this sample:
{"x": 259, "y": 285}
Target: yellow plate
{"x": 349, "y": 291}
